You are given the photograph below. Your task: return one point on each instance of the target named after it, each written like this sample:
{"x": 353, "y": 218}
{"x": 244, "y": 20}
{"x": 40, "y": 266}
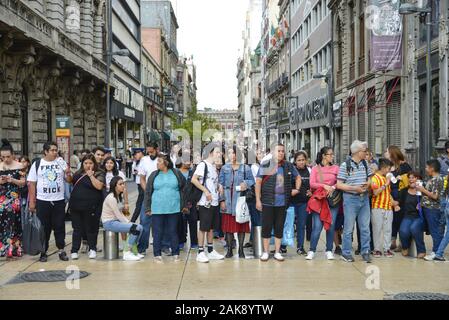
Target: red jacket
{"x": 318, "y": 204}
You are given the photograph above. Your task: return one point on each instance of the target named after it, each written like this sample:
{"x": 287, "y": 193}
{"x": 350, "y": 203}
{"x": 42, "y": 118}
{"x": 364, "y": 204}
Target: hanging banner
{"x": 385, "y": 24}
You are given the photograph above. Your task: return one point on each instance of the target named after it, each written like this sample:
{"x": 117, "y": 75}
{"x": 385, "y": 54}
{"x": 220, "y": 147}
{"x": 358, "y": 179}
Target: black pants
{"x": 86, "y": 223}
{"x": 397, "y": 220}
{"x": 273, "y": 217}
{"x": 309, "y": 227}
{"x": 190, "y": 221}
{"x": 139, "y": 202}
{"x": 129, "y": 169}
{"x": 52, "y": 217}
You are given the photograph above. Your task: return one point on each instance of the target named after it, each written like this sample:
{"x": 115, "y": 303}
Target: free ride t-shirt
{"x": 49, "y": 178}
{"x": 211, "y": 182}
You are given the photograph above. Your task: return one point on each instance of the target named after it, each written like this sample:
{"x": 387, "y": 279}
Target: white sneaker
{"x": 129, "y": 256}
{"x": 430, "y": 257}
{"x": 141, "y": 256}
{"x": 92, "y": 254}
{"x": 264, "y": 257}
{"x": 330, "y": 255}
{"x": 158, "y": 259}
{"x": 74, "y": 256}
{"x": 310, "y": 255}
{"x": 214, "y": 255}
{"x": 278, "y": 256}
{"x": 201, "y": 257}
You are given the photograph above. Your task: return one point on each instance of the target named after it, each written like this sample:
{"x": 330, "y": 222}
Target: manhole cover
{"x": 420, "y": 296}
{"x": 48, "y": 276}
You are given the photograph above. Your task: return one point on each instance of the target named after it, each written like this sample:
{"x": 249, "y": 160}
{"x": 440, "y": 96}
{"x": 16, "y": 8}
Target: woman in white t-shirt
{"x": 111, "y": 170}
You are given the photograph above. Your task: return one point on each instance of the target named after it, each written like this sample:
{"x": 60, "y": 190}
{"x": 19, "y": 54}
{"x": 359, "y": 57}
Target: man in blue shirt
{"x": 273, "y": 192}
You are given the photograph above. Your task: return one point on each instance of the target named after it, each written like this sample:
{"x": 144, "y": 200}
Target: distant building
{"x": 227, "y": 119}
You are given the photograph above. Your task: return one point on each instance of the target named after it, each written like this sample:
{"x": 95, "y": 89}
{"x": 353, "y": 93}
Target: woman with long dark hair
{"x": 111, "y": 170}
{"x": 114, "y": 220}
{"x": 11, "y": 180}
{"x": 85, "y": 205}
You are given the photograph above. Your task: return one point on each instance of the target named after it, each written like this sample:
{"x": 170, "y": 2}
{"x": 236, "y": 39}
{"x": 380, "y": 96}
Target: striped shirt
{"x": 357, "y": 176}
{"x": 383, "y": 199}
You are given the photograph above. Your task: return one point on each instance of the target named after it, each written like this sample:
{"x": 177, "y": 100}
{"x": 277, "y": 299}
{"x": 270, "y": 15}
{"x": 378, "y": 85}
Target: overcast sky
{"x": 211, "y": 31}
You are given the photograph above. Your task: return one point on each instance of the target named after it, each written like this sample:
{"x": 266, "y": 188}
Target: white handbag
{"x": 242, "y": 214}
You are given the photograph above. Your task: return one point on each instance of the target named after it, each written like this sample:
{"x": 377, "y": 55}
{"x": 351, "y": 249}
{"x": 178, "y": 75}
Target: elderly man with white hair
{"x": 353, "y": 180}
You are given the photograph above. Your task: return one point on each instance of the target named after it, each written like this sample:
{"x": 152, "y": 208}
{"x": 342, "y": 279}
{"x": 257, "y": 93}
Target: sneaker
{"x": 366, "y": 257}
{"x": 430, "y": 257}
{"x": 214, "y": 255}
{"x": 337, "y": 250}
{"x": 278, "y": 256}
{"x": 92, "y": 254}
{"x": 63, "y": 256}
{"x": 437, "y": 258}
{"x": 264, "y": 257}
{"x": 310, "y": 255}
{"x": 301, "y": 251}
{"x": 158, "y": 259}
{"x": 74, "y": 256}
{"x": 43, "y": 257}
{"x": 283, "y": 250}
{"x": 166, "y": 252}
{"x": 248, "y": 245}
{"x": 347, "y": 258}
{"x": 330, "y": 255}
{"x": 176, "y": 258}
{"x": 141, "y": 256}
{"x": 129, "y": 256}
{"x": 194, "y": 247}
{"x": 202, "y": 257}
{"x": 377, "y": 254}
{"x": 388, "y": 254}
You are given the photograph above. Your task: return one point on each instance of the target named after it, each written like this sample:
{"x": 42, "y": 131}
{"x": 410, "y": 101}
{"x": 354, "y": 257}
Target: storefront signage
{"x": 336, "y": 115}
{"x": 128, "y": 97}
{"x": 316, "y": 109}
{"x": 130, "y": 113}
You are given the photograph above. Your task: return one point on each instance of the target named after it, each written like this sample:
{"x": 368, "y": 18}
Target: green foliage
{"x": 193, "y": 116}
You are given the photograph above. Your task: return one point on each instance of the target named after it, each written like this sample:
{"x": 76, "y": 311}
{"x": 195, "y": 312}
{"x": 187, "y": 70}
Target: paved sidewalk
{"x": 295, "y": 278}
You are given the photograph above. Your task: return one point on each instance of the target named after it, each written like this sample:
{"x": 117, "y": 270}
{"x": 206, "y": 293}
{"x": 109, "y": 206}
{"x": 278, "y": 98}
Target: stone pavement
{"x": 250, "y": 279}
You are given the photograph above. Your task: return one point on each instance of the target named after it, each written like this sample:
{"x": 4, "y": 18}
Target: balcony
{"x": 361, "y": 65}
{"x": 352, "y": 71}
{"x": 152, "y": 95}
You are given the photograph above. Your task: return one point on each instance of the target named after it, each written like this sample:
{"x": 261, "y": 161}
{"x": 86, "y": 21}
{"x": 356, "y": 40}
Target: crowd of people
{"x": 381, "y": 200}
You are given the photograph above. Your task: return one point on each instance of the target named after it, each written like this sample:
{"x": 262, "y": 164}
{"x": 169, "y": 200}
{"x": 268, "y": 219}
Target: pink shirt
{"x": 329, "y": 176}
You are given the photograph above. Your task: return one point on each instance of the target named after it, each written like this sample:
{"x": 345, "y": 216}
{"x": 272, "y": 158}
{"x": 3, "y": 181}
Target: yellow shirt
{"x": 383, "y": 199}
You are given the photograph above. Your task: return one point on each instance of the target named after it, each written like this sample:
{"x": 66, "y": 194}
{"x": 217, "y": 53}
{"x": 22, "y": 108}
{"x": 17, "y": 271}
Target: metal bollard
{"x": 257, "y": 242}
{"x": 110, "y": 245}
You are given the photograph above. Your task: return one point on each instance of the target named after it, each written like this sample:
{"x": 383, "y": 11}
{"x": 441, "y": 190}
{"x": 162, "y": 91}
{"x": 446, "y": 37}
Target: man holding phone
{"x": 354, "y": 180}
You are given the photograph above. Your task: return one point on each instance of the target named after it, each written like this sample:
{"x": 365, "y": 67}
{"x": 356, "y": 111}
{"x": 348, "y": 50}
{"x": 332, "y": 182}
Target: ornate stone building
{"x": 52, "y": 64}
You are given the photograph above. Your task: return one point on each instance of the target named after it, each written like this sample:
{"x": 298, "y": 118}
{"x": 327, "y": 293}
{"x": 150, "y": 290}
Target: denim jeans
{"x": 144, "y": 240}
{"x": 117, "y": 226}
{"x": 317, "y": 226}
{"x": 165, "y": 224}
{"x": 301, "y": 220}
{"x": 256, "y": 219}
{"x": 445, "y": 242}
{"x": 356, "y": 207}
{"x": 412, "y": 228}
{"x": 433, "y": 218}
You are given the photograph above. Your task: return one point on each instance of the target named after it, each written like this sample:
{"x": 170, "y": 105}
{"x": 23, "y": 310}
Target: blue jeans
{"x": 445, "y": 242}
{"x": 256, "y": 219}
{"x": 117, "y": 226}
{"x": 145, "y": 221}
{"x": 301, "y": 220}
{"x": 165, "y": 224}
{"x": 317, "y": 226}
{"x": 356, "y": 207}
{"x": 433, "y": 218}
{"x": 412, "y": 228}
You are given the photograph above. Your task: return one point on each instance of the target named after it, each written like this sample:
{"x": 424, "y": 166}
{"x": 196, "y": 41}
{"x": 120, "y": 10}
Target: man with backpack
{"x": 353, "y": 179}
{"x": 46, "y": 192}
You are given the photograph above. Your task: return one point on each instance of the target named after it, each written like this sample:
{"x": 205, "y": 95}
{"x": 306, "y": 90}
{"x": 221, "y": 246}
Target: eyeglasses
{"x": 329, "y": 154}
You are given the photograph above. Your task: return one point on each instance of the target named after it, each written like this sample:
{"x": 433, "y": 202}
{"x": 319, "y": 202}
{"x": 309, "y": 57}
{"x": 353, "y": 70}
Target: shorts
{"x": 209, "y": 218}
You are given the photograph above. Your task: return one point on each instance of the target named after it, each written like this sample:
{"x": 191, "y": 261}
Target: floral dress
{"x": 10, "y": 214}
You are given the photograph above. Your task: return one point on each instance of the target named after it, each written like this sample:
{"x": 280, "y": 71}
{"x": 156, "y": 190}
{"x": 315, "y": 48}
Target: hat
{"x": 137, "y": 150}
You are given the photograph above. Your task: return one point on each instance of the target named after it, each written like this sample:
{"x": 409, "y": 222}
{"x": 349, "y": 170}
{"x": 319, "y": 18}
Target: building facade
{"x": 310, "y": 55}
{"x": 127, "y": 112}
{"x": 186, "y": 78}
{"x": 52, "y": 72}
{"x": 226, "y": 118}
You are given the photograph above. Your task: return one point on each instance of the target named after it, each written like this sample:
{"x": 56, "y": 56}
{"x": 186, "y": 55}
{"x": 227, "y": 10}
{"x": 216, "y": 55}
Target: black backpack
{"x": 193, "y": 193}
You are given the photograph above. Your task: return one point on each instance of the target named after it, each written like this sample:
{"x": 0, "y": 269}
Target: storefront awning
{"x": 154, "y": 136}
{"x": 166, "y": 135}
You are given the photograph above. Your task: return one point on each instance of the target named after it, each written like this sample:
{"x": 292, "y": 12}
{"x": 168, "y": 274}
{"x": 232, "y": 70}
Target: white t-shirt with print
{"x": 211, "y": 182}
{"x": 110, "y": 175}
{"x": 50, "y": 179}
{"x": 147, "y": 166}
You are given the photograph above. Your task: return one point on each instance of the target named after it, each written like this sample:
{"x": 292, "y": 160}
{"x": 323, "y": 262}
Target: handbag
{"x": 288, "y": 238}
{"x": 334, "y": 198}
{"x": 242, "y": 214}
{"x": 249, "y": 193}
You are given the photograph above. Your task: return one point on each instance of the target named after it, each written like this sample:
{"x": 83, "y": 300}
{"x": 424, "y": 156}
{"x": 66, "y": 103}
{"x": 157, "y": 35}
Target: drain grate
{"x": 47, "y": 276}
{"x": 420, "y": 296}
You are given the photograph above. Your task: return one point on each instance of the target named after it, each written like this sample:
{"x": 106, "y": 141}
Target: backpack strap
{"x": 348, "y": 166}
{"x": 366, "y": 168}
{"x": 37, "y": 163}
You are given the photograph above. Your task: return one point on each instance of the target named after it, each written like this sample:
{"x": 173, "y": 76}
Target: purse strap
{"x": 77, "y": 181}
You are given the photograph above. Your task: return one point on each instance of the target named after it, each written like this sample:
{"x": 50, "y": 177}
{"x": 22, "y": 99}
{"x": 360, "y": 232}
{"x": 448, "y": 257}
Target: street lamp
{"x": 407, "y": 9}
{"x": 327, "y": 76}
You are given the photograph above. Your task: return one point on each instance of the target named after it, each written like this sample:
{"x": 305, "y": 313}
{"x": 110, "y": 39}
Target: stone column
{"x": 87, "y": 25}
{"x": 72, "y": 19}
{"x": 444, "y": 74}
{"x": 98, "y": 30}
{"x": 55, "y": 12}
